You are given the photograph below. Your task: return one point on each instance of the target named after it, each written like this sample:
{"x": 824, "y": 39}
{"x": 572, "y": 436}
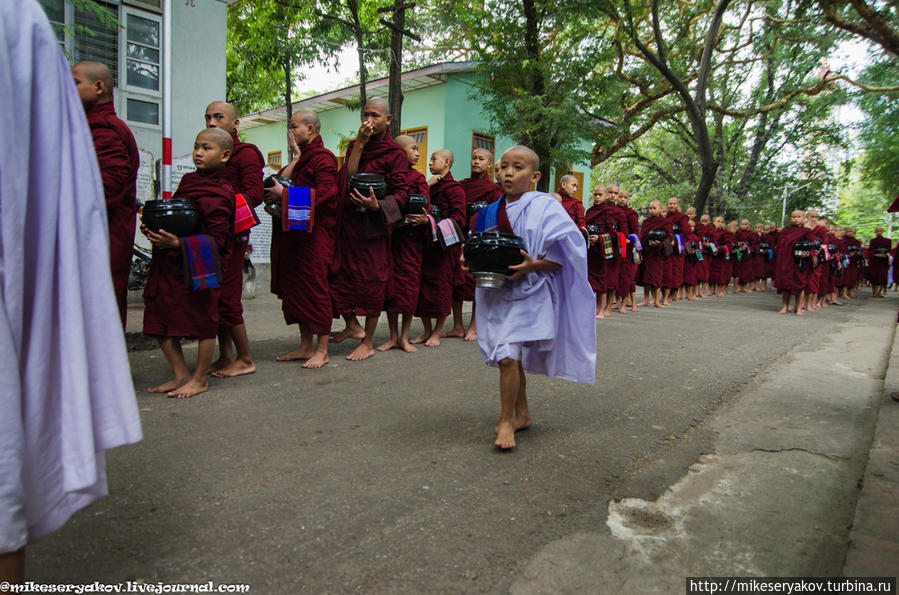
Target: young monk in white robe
{"x": 66, "y": 393}
{"x": 542, "y": 319}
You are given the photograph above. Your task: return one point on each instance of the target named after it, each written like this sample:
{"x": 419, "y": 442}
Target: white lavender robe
{"x": 545, "y": 319}
{"x": 65, "y": 387}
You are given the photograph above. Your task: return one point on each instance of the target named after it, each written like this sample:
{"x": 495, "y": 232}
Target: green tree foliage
{"x": 880, "y": 131}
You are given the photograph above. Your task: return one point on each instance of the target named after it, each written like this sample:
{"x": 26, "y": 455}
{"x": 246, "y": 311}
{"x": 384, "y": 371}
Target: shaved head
{"x": 224, "y": 107}
{"x": 308, "y": 117}
{"x": 487, "y": 154}
{"x": 405, "y": 141}
{"x": 95, "y": 71}
{"x": 380, "y": 103}
{"x": 445, "y": 154}
{"x": 567, "y": 178}
{"x": 218, "y": 136}
{"x": 532, "y": 157}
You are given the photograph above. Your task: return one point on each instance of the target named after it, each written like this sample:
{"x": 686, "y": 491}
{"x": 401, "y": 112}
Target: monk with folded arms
{"x": 790, "y": 278}
{"x": 119, "y": 160}
{"x": 244, "y": 172}
{"x": 175, "y": 306}
{"x": 300, "y": 259}
{"x": 407, "y": 244}
{"x": 361, "y": 265}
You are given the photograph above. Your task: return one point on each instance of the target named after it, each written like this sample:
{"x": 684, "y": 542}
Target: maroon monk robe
{"x": 171, "y": 308}
{"x": 574, "y": 207}
{"x": 476, "y": 189}
{"x": 435, "y": 296}
{"x": 407, "y": 243}
{"x": 720, "y": 269}
{"x": 602, "y": 272}
{"x": 361, "y": 265}
{"x": 119, "y": 160}
{"x": 704, "y": 233}
{"x": 300, "y": 259}
{"x": 692, "y": 244}
{"x": 853, "y": 271}
{"x": 244, "y": 172}
{"x": 744, "y": 268}
{"x": 628, "y": 223}
{"x": 841, "y": 279}
{"x": 770, "y": 265}
{"x": 813, "y": 283}
{"x": 787, "y": 276}
{"x": 879, "y": 266}
{"x": 758, "y": 258}
{"x": 828, "y": 275}
{"x": 653, "y": 256}
{"x": 675, "y": 262}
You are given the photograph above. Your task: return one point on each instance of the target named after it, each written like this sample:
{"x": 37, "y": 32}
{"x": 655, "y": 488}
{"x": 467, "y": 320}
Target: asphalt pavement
{"x": 719, "y": 439}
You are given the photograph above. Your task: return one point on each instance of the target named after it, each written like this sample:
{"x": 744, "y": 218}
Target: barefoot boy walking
{"x": 542, "y": 319}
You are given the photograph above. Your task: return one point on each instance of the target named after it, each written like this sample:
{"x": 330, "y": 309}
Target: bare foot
{"x": 659, "y": 306}
{"x": 505, "y": 435}
{"x": 782, "y": 310}
{"x": 350, "y": 332}
{"x": 454, "y": 332}
{"x": 600, "y": 315}
{"x": 294, "y": 355}
{"x": 800, "y": 312}
{"x": 360, "y": 353}
{"x": 238, "y": 368}
{"x": 835, "y": 303}
{"x": 471, "y": 336}
{"x": 644, "y": 303}
{"x": 420, "y": 338}
{"x": 519, "y": 423}
{"x": 388, "y": 345}
{"x": 219, "y": 364}
{"x": 317, "y": 361}
{"x": 433, "y": 340}
{"x": 168, "y": 386}
{"x": 193, "y": 387}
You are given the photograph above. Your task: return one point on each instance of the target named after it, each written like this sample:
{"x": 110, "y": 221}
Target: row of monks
{"x": 674, "y": 255}
{"x": 366, "y": 255}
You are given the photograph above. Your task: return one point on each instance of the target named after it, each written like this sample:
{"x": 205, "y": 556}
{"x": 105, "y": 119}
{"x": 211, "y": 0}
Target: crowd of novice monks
{"x": 347, "y": 254}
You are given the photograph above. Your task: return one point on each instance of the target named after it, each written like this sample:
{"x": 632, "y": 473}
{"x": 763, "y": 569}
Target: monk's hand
{"x": 369, "y": 202}
{"x": 365, "y": 132}
{"x": 292, "y": 143}
{"x": 434, "y": 179}
{"x": 523, "y": 268}
{"x": 163, "y": 239}
{"x": 592, "y": 238}
{"x": 419, "y": 219}
{"x": 462, "y": 264}
{"x": 273, "y": 194}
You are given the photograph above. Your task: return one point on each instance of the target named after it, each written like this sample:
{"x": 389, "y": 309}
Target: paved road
{"x": 380, "y": 476}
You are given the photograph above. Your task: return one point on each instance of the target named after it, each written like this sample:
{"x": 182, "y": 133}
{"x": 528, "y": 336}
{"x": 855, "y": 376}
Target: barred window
{"x": 479, "y": 140}
{"x": 274, "y": 159}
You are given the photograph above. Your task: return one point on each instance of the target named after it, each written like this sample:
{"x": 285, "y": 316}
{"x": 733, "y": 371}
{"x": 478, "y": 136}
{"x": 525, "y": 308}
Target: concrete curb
{"x": 874, "y": 537}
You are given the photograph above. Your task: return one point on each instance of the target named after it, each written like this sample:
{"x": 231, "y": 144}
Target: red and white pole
{"x": 166, "y": 99}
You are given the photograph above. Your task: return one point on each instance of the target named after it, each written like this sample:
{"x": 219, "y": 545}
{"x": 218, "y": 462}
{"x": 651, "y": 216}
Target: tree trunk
{"x": 538, "y": 88}
{"x": 357, "y": 33}
{"x": 288, "y": 102}
{"x": 395, "y": 84}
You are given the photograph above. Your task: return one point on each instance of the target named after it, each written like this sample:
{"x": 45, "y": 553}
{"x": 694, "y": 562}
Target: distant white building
{"x": 133, "y": 52}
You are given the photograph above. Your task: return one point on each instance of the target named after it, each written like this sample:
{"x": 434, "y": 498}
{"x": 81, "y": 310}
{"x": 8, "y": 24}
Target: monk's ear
{"x": 536, "y": 177}
{"x": 389, "y": 119}
{"x": 236, "y": 123}
{"x": 100, "y": 88}
{"x": 226, "y": 155}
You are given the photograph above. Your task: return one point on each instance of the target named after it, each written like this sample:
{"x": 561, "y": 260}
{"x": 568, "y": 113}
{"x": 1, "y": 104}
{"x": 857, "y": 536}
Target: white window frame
{"x": 127, "y": 91}
{"x": 123, "y": 51}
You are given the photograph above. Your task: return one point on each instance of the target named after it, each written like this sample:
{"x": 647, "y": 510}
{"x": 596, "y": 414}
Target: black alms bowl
{"x": 593, "y": 230}
{"x": 492, "y": 252}
{"x": 416, "y": 204}
{"x": 657, "y": 235}
{"x": 269, "y": 182}
{"x": 363, "y": 181}
{"x": 178, "y": 216}
{"x": 474, "y": 207}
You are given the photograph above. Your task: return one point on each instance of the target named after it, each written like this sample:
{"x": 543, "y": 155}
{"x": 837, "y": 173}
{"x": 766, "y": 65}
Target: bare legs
{"x": 431, "y": 335}
{"x": 514, "y": 413}
{"x": 366, "y": 348}
{"x": 12, "y": 567}
{"x": 183, "y": 385}
{"x": 244, "y": 362}
{"x": 458, "y": 329}
{"x": 316, "y": 356}
{"x": 399, "y": 340}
